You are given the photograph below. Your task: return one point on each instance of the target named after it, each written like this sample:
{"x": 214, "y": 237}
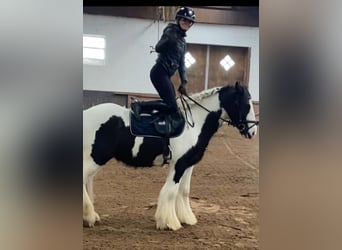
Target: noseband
{"x": 242, "y": 125}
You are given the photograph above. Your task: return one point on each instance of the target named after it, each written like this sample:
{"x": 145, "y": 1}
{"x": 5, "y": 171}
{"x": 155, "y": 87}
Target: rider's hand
{"x": 182, "y": 90}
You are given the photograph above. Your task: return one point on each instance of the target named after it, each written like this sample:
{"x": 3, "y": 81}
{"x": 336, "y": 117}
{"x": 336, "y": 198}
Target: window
{"x": 94, "y": 48}
{"x": 227, "y": 62}
{"x": 189, "y": 60}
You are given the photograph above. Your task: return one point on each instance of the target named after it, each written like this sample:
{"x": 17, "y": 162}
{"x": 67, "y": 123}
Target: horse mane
{"x": 203, "y": 94}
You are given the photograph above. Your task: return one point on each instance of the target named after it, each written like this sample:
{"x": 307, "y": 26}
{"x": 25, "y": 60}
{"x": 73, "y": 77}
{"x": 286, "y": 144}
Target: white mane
{"x": 202, "y": 95}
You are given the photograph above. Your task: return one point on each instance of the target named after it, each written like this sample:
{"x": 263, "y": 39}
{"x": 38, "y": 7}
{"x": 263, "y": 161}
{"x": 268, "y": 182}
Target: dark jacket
{"x": 171, "y": 48}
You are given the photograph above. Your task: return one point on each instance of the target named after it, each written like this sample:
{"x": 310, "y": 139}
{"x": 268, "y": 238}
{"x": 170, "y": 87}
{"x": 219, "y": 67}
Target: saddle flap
{"x": 163, "y": 125}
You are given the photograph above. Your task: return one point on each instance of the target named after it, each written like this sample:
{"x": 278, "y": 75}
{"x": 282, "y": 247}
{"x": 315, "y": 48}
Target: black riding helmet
{"x": 187, "y": 13}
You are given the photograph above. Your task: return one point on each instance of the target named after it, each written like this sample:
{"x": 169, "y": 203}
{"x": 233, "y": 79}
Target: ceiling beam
{"x": 226, "y": 15}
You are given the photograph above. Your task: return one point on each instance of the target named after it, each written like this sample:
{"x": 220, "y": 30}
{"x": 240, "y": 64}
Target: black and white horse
{"x": 106, "y": 135}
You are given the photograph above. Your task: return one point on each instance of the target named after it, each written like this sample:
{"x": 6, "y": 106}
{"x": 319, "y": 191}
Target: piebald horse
{"x": 106, "y": 135}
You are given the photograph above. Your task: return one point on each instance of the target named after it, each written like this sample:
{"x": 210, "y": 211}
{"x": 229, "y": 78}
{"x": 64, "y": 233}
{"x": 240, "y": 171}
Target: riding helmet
{"x": 187, "y": 13}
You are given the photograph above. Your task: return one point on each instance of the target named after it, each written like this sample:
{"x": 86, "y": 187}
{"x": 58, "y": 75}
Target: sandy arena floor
{"x": 224, "y": 197}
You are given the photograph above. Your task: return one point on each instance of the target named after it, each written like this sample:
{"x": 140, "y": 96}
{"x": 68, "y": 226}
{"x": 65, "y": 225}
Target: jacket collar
{"x": 177, "y": 28}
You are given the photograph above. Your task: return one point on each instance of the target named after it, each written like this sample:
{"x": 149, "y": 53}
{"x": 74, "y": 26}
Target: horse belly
{"x": 140, "y": 151}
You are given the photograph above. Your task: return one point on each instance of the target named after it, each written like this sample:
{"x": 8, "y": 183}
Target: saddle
{"x": 154, "y": 119}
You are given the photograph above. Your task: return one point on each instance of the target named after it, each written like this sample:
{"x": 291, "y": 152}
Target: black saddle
{"x": 155, "y": 119}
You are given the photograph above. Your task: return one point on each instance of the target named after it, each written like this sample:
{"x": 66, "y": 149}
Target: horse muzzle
{"x": 247, "y": 131}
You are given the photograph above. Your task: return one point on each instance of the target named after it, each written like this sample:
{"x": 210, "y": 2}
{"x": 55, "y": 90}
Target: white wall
{"x": 128, "y": 58}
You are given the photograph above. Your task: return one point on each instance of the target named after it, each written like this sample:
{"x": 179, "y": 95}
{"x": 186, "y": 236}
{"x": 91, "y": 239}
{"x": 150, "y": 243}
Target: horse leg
{"x": 90, "y": 189}
{"x": 89, "y": 215}
{"x": 183, "y": 209}
{"x": 165, "y": 215}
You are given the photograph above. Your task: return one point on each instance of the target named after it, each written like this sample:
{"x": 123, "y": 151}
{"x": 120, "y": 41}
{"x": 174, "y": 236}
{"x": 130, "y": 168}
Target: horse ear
{"x": 238, "y": 87}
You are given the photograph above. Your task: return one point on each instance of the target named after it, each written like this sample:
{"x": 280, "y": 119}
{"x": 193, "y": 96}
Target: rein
{"x": 240, "y": 125}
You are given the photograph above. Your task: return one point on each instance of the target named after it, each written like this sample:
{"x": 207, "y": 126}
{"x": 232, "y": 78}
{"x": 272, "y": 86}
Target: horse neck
{"x": 210, "y": 102}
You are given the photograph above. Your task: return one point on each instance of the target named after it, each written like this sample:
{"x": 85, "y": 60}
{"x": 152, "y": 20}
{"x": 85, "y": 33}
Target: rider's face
{"x": 185, "y": 24}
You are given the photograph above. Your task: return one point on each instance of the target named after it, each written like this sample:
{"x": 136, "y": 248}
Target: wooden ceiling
{"x": 227, "y": 15}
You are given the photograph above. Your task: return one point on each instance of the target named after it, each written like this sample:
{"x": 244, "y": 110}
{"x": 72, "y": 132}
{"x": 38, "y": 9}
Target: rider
{"x": 171, "y": 48}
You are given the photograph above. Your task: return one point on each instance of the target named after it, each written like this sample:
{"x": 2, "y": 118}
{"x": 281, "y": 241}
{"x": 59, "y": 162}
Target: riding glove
{"x": 182, "y": 89}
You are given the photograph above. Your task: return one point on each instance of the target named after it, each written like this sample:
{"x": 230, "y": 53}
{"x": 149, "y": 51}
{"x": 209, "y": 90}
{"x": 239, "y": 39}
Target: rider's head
{"x": 185, "y": 18}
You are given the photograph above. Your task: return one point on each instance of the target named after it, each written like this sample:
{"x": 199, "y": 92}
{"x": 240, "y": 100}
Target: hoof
{"x": 168, "y": 226}
{"x": 190, "y": 221}
{"x": 91, "y": 219}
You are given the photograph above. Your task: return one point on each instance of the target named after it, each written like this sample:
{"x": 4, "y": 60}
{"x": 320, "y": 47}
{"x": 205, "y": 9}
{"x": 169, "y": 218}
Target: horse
{"x": 107, "y": 135}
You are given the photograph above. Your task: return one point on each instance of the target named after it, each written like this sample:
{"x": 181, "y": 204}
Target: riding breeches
{"x": 162, "y": 83}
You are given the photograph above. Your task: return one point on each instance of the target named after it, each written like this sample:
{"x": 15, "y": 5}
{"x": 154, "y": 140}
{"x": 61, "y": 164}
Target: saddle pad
{"x": 146, "y": 127}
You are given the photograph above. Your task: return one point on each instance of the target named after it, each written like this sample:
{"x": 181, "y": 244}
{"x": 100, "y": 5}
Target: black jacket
{"x": 171, "y": 48}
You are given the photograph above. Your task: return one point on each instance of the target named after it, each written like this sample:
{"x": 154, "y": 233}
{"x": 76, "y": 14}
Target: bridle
{"x": 242, "y": 124}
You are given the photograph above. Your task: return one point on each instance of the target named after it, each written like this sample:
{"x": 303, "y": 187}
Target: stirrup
{"x": 167, "y": 156}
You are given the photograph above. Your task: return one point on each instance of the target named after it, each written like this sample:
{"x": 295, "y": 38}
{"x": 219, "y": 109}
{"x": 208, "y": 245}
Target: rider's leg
{"x": 162, "y": 83}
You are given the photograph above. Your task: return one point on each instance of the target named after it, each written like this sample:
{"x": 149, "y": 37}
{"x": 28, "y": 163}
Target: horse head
{"x": 237, "y": 104}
